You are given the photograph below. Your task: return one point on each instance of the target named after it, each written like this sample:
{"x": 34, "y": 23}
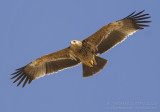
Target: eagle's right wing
{"x": 47, "y": 64}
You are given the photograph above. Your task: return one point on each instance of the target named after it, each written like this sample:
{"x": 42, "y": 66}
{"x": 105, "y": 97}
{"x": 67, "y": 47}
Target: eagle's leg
{"x": 90, "y": 63}
{"x": 94, "y": 61}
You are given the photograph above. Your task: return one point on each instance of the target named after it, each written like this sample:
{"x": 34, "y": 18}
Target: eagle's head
{"x": 76, "y": 42}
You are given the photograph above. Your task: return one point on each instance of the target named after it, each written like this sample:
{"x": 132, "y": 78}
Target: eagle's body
{"x": 85, "y": 51}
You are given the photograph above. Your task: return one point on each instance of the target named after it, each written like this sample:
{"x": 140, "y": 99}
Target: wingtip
{"x": 139, "y": 18}
{"x": 135, "y": 15}
{"x": 20, "y": 76}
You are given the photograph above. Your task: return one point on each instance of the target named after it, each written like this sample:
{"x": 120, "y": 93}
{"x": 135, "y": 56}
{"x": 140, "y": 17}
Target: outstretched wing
{"x": 47, "y": 64}
{"x": 114, "y": 33}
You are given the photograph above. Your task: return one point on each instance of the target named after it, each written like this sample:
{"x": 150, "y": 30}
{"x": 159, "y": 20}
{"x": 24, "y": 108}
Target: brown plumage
{"x": 84, "y": 51}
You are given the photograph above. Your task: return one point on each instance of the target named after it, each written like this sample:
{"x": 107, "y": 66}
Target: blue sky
{"x": 33, "y": 28}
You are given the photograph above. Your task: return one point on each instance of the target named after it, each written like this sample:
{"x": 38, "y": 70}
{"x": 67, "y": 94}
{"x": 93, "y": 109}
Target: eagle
{"x": 85, "y": 51}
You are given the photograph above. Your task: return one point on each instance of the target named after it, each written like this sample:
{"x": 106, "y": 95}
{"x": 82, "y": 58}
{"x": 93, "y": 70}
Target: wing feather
{"x": 47, "y": 64}
{"x": 127, "y": 26}
{"x": 116, "y": 32}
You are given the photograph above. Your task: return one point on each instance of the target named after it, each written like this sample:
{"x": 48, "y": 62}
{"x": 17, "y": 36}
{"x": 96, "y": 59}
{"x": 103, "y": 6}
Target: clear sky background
{"x": 32, "y": 28}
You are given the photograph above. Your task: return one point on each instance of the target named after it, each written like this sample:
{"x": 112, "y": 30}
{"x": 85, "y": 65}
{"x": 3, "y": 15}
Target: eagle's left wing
{"x": 47, "y": 64}
{"x": 114, "y": 33}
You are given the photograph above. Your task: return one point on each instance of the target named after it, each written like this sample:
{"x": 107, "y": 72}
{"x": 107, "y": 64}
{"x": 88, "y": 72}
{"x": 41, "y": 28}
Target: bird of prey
{"x": 85, "y": 51}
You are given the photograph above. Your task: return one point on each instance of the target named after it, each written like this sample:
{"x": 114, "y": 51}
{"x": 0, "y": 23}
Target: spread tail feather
{"x": 89, "y": 71}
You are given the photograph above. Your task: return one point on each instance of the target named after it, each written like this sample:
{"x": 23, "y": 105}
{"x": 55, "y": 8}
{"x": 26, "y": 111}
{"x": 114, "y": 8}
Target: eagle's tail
{"x": 89, "y": 71}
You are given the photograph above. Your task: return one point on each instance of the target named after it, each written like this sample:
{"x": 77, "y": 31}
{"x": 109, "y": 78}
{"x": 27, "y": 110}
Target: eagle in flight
{"x": 85, "y": 51}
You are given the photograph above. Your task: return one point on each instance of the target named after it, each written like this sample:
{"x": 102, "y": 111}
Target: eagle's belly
{"x": 86, "y": 57}
{"x": 85, "y": 53}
